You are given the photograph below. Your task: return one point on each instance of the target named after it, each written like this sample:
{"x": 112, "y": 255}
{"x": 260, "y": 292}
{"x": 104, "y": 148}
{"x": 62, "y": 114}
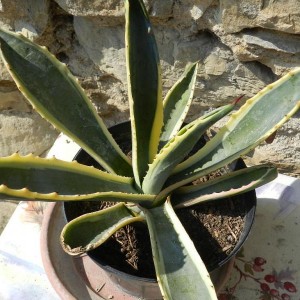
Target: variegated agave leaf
{"x": 56, "y": 95}
{"x": 177, "y": 103}
{"x": 180, "y": 270}
{"x": 144, "y": 87}
{"x": 91, "y": 230}
{"x": 37, "y": 178}
{"x": 176, "y": 150}
{"x": 228, "y": 185}
{"x": 257, "y": 119}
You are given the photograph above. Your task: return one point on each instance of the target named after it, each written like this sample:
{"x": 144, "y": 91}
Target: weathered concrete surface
{"x": 6, "y": 210}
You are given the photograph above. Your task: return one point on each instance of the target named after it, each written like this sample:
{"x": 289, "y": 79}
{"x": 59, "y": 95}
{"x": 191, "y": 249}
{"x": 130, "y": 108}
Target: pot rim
{"x": 70, "y": 287}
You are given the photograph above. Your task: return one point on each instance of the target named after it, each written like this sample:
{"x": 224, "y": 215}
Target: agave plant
{"x": 158, "y": 179}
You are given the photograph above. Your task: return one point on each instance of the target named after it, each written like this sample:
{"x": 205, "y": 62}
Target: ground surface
{"x": 6, "y": 210}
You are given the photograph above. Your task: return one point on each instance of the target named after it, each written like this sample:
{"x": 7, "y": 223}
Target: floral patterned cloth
{"x": 268, "y": 266}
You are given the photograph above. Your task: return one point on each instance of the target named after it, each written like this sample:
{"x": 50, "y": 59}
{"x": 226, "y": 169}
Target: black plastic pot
{"x": 147, "y": 287}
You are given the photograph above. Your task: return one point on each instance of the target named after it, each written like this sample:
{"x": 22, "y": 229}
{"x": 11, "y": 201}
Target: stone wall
{"x": 241, "y": 45}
